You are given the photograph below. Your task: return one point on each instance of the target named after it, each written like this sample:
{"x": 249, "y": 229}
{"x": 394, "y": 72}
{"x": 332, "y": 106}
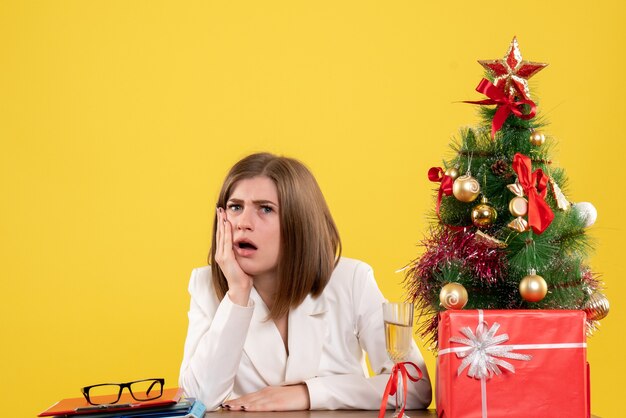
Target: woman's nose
{"x": 244, "y": 221}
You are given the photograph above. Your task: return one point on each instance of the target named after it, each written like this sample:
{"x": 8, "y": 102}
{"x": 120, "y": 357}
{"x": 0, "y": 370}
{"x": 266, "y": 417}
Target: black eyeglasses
{"x": 140, "y": 390}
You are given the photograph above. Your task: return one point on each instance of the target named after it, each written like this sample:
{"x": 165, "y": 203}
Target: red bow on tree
{"x": 392, "y": 385}
{"x": 437, "y": 175}
{"x": 535, "y": 184}
{"x": 506, "y": 105}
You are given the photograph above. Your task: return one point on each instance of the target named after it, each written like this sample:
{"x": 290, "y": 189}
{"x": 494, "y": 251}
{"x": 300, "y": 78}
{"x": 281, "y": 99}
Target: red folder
{"x": 80, "y": 406}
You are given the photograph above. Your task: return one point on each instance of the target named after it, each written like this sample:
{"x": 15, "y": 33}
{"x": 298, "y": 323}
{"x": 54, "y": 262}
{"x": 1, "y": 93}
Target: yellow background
{"x": 119, "y": 119}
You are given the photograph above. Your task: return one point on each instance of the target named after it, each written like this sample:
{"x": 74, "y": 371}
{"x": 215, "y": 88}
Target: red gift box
{"x": 513, "y": 364}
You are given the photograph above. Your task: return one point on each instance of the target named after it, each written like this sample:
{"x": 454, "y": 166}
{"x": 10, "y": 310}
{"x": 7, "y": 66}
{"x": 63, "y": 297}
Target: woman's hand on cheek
{"x": 239, "y": 283}
{"x": 273, "y": 398}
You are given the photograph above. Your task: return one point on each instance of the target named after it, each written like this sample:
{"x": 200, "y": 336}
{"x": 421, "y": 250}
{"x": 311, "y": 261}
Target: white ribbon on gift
{"x": 483, "y": 353}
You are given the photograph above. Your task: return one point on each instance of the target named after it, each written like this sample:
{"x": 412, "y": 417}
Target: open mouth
{"x": 246, "y": 246}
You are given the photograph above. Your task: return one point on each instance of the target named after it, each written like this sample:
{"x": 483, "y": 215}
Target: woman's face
{"x": 253, "y": 211}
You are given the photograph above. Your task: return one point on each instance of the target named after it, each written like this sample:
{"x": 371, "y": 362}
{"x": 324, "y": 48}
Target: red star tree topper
{"x": 512, "y": 73}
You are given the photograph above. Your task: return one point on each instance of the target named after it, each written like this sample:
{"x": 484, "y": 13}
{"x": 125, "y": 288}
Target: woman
{"x": 279, "y": 321}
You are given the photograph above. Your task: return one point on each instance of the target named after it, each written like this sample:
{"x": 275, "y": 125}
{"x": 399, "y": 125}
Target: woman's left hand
{"x": 273, "y": 398}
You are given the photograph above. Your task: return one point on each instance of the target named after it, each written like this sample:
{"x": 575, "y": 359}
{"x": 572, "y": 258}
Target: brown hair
{"x": 309, "y": 241}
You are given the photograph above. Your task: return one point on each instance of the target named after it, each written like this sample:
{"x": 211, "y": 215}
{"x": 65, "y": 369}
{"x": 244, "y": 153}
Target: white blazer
{"x": 232, "y": 350}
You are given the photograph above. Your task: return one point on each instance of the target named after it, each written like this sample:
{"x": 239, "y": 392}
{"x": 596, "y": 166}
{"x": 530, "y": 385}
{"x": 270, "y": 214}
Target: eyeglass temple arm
{"x": 151, "y": 386}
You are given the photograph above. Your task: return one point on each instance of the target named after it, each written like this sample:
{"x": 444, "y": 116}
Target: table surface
{"x": 322, "y": 414}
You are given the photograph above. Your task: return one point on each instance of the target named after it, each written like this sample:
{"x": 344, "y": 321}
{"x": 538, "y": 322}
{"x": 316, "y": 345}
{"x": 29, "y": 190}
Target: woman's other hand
{"x": 273, "y": 398}
{"x": 239, "y": 283}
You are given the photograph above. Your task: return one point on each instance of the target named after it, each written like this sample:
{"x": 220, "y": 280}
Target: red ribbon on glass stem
{"x": 535, "y": 185}
{"x": 392, "y": 385}
{"x": 506, "y": 105}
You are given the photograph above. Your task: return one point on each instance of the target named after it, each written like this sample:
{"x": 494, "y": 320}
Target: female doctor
{"x": 278, "y": 321}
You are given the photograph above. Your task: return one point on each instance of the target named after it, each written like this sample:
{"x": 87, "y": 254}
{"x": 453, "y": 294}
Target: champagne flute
{"x": 398, "y": 318}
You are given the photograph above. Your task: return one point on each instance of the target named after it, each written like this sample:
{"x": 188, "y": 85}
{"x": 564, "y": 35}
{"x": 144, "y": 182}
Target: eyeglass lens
{"x": 144, "y": 390}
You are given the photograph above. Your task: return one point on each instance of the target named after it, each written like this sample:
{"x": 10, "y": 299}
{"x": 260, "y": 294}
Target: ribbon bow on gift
{"x": 535, "y": 184}
{"x": 506, "y": 105}
{"x": 392, "y": 385}
{"x": 484, "y": 353}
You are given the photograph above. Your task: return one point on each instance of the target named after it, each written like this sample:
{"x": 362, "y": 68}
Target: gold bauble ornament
{"x": 453, "y": 296}
{"x": 518, "y": 206}
{"x": 466, "y": 188}
{"x": 597, "y": 307}
{"x": 484, "y": 214}
{"x": 452, "y": 172}
{"x": 537, "y": 138}
{"x": 533, "y": 287}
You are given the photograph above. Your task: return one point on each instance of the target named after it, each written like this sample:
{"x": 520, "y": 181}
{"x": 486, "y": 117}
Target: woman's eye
{"x": 266, "y": 209}
{"x": 234, "y": 207}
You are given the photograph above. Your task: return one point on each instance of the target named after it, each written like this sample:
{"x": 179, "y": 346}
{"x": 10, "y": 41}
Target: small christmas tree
{"x": 504, "y": 236}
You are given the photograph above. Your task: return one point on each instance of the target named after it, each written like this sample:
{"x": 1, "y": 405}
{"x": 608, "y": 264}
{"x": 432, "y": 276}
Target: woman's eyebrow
{"x": 256, "y": 202}
{"x": 264, "y": 202}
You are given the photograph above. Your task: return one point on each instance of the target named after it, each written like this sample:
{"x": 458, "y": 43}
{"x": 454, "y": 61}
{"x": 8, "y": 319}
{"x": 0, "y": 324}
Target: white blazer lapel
{"x": 306, "y": 333}
{"x": 264, "y": 345}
